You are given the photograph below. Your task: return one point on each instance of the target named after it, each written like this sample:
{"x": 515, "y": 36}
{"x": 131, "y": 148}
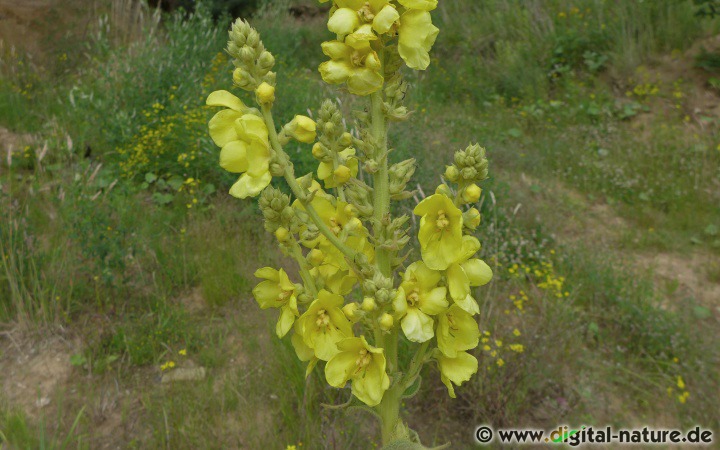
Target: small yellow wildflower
{"x": 183, "y": 352}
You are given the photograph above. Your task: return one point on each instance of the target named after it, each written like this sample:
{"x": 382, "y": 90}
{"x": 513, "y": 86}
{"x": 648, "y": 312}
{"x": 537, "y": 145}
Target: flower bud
{"x": 468, "y": 173}
{"x": 319, "y": 151}
{"x": 345, "y": 139}
{"x": 266, "y": 61}
{"x": 370, "y": 166}
{"x": 342, "y": 174}
{"x": 247, "y": 54}
{"x": 471, "y": 218}
{"x": 452, "y": 173}
{"x": 302, "y": 128}
{"x": 386, "y": 322}
{"x": 329, "y": 128}
{"x": 368, "y": 304}
{"x": 444, "y": 189}
{"x": 276, "y": 170}
{"x": 471, "y": 194}
{"x": 315, "y": 257}
{"x": 253, "y": 38}
{"x": 282, "y": 234}
{"x": 243, "y": 79}
{"x": 351, "y": 312}
{"x": 265, "y": 94}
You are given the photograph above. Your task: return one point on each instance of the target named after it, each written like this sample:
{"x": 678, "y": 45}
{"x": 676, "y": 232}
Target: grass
{"x": 588, "y": 132}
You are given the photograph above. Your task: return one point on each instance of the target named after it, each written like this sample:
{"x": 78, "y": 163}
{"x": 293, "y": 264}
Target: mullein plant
{"x": 357, "y": 296}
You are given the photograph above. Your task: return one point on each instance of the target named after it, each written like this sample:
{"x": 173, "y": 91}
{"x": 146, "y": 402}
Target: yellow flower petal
{"x": 249, "y": 186}
{"x": 364, "y": 82}
{"x": 456, "y": 331}
{"x": 344, "y": 21}
{"x": 417, "y": 326}
{"x": 226, "y": 99}
{"x": 457, "y": 370}
{"x": 424, "y": 5}
{"x": 233, "y": 157}
{"x": 385, "y": 19}
{"x": 478, "y": 272}
{"x": 222, "y": 127}
{"x": 416, "y": 36}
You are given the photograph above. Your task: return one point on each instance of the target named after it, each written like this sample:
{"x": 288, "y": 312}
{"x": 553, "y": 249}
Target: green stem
{"x": 296, "y": 253}
{"x": 298, "y": 190}
{"x": 381, "y": 182}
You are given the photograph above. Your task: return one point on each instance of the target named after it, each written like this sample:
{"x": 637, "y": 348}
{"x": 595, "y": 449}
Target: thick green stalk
{"x": 298, "y": 190}
{"x": 381, "y": 182}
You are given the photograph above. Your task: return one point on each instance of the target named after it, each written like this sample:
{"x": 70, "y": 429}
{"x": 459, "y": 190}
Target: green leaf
{"x": 413, "y": 389}
{"x": 150, "y": 177}
{"x": 175, "y": 183}
{"x": 209, "y": 188}
{"x": 78, "y": 360}
{"x": 711, "y": 230}
{"x": 162, "y": 199}
{"x": 514, "y": 132}
{"x": 702, "y": 312}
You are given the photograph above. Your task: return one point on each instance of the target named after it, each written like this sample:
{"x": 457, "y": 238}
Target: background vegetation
{"x": 123, "y": 260}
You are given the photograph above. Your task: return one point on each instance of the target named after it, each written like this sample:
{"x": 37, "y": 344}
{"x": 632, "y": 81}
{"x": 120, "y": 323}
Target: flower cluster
{"x": 356, "y": 294}
{"x": 358, "y": 24}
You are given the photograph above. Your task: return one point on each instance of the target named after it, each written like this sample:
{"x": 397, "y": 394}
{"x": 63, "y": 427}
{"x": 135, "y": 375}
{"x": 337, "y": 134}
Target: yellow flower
{"x": 323, "y": 325}
{"x": 334, "y": 178}
{"x": 416, "y": 36}
{"x": 680, "y": 382}
{"x": 465, "y": 272}
{"x": 244, "y": 141}
{"x": 182, "y": 352}
{"x": 359, "y": 68}
{"x": 440, "y": 231}
{"x": 456, "y": 331}
{"x": 418, "y": 298}
{"x": 456, "y": 370}
{"x": 361, "y": 364}
{"x": 277, "y": 291}
{"x": 303, "y": 129}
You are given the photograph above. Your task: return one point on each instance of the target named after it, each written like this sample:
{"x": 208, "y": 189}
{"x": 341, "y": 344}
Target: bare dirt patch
{"x": 33, "y": 371}
{"x": 684, "y": 276}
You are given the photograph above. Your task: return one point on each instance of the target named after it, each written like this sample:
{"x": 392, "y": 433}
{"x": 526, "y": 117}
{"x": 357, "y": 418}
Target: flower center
{"x": 284, "y": 295}
{"x": 451, "y": 322}
{"x": 363, "y": 360}
{"x": 335, "y": 225}
{"x": 413, "y": 297}
{"x": 323, "y": 319}
{"x": 366, "y": 12}
{"x": 357, "y": 59}
{"x": 442, "y": 222}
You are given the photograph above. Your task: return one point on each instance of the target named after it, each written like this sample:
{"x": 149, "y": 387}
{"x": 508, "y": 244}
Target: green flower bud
{"x": 471, "y": 218}
{"x": 452, "y": 173}
{"x": 266, "y": 61}
{"x": 243, "y": 79}
{"x": 370, "y": 166}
